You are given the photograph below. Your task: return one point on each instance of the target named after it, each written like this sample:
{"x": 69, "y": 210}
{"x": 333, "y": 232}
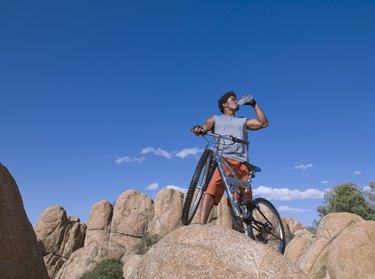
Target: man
{"x": 235, "y": 154}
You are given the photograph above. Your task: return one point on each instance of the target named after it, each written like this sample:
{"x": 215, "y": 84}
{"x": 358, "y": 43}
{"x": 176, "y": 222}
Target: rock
{"x": 50, "y": 228}
{"x": 344, "y": 241}
{"x": 99, "y": 224}
{"x": 85, "y": 259}
{"x": 208, "y": 251}
{"x": 53, "y": 264}
{"x": 73, "y": 238}
{"x": 167, "y": 212}
{"x": 132, "y": 213}
{"x": 343, "y": 248}
{"x": 313, "y": 261}
{"x": 19, "y": 253}
{"x": 221, "y": 214}
{"x": 112, "y": 233}
{"x": 352, "y": 253}
{"x": 293, "y": 225}
{"x": 60, "y": 236}
{"x": 298, "y": 247}
{"x": 130, "y": 266}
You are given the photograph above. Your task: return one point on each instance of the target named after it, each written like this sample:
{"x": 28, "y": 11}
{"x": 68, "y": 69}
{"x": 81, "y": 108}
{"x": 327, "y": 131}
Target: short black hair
{"x": 225, "y": 98}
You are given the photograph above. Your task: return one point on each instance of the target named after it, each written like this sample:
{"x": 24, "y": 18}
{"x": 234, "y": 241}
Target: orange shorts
{"x": 216, "y": 186}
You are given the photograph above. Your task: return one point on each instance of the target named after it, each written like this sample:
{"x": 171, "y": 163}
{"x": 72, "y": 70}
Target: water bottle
{"x": 245, "y": 99}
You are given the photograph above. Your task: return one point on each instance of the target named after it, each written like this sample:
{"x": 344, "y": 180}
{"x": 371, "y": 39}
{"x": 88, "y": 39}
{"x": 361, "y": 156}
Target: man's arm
{"x": 259, "y": 123}
{"x": 206, "y": 127}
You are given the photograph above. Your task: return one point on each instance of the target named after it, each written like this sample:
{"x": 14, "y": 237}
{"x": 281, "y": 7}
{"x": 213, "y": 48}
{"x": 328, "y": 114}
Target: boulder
{"x": 60, "y": 236}
{"x": 167, "y": 212}
{"x": 207, "y": 251}
{"x": 220, "y": 215}
{"x": 85, "y": 259}
{"x": 99, "y": 224}
{"x": 132, "y": 213}
{"x": 293, "y": 225}
{"x": 298, "y": 247}
{"x": 50, "y": 228}
{"x": 352, "y": 253}
{"x": 343, "y": 248}
{"x": 19, "y": 253}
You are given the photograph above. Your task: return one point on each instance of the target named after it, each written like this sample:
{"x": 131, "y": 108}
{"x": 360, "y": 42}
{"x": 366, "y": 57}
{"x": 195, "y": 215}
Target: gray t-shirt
{"x": 232, "y": 126}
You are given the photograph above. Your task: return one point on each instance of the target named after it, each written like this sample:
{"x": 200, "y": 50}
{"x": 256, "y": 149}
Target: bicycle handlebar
{"x": 227, "y": 137}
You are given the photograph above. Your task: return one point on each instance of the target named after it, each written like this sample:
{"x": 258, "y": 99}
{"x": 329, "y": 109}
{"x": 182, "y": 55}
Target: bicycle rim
{"x": 199, "y": 182}
{"x": 266, "y": 225}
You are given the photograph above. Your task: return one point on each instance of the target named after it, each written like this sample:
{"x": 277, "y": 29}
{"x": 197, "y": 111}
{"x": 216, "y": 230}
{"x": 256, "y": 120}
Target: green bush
{"x": 107, "y": 269}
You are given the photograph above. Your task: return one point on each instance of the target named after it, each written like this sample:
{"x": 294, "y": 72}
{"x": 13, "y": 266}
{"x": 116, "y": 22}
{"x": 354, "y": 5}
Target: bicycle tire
{"x": 203, "y": 174}
{"x": 266, "y": 225}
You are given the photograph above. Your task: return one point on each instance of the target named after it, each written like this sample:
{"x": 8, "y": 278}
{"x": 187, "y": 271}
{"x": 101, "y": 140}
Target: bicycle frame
{"x": 230, "y": 182}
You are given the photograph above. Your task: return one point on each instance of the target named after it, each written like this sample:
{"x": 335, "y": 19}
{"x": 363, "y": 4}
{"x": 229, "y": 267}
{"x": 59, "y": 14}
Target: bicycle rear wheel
{"x": 202, "y": 176}
{"x": 266, "y": 225}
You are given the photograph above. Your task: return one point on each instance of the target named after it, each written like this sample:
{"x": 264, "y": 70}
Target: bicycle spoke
{"x": 266, "y": 225}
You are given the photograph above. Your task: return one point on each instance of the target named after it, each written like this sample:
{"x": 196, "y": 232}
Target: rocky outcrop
{"x": 344, "y": 247}
{"x": 117, "y": 232}
{"x": 19, "y": 253}
{"x": 58, "y": 236}
{"x": 207, "y": 251}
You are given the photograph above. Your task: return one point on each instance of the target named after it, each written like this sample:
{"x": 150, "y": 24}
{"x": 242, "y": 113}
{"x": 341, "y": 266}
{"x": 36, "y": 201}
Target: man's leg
{"x": 207, "y": 204}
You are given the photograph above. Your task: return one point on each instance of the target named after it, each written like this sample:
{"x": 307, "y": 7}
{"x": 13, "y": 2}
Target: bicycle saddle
{"x": 253, "y": 168}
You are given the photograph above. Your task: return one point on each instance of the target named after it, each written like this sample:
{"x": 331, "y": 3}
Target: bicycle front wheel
{"x": 202, "y": 176}
{"x": 266, "y": 225}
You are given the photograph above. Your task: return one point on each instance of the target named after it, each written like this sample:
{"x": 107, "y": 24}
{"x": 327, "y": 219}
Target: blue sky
{"x": 98, "y": 97}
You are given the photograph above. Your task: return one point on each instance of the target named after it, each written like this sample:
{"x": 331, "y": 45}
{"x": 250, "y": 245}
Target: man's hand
{"x": 247, "y": 100}
{"x": 198, "y": 130}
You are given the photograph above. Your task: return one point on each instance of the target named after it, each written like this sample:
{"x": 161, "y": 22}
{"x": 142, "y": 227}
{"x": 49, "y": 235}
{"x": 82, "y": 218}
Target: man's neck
{"x": 229, "y": 113}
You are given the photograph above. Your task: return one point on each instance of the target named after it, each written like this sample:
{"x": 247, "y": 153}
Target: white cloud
{"x": 189, "y": 151}
{"x": 285, "y": 194}
{"x": 304, "y": 166}
{"x": 293, "y": 209}
{"x": 153, "y": 186}
{"x": 324, "y": 182}
{"x": 357, "y": 173}
{"x": 181, "y": 189}
{"x": 368, "y": 189}
{"x": 127, "y": 159}
{"x": 157, "y": 151}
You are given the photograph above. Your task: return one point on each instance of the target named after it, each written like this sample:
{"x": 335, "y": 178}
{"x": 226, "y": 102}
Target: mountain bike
{"x": 258, "y": 217}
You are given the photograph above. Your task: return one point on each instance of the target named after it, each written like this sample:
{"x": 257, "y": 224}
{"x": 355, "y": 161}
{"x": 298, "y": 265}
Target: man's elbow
{"x": 265, "y": 124}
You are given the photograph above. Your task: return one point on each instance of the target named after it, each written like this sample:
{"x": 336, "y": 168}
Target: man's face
{"x": 232, "y": 103}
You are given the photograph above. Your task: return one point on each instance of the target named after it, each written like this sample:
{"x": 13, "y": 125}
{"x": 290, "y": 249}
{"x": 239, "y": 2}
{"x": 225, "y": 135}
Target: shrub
{"x": 146, "y": 243}
{"x": 313, "y": 228}
{"x": 107, "y": 269}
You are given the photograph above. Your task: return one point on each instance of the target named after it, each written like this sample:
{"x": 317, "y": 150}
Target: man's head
{"x": 223, "y": 99}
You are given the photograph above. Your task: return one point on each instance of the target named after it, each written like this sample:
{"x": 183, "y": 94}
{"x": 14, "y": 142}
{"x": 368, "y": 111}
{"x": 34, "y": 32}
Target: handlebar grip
{"x": 239, "y": 140}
